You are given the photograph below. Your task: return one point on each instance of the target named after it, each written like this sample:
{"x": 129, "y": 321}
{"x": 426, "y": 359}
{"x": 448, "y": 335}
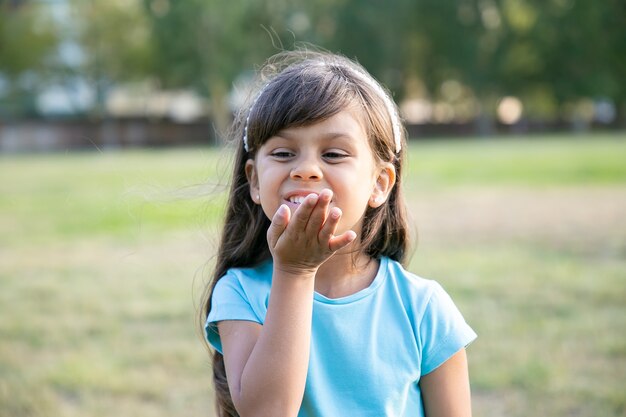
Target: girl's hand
{"x": 304, "y": 242}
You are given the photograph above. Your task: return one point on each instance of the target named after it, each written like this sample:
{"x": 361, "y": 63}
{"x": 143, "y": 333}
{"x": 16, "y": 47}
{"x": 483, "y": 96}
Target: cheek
{"x": 266, "y": 176}
{"x": 268, "y": 184}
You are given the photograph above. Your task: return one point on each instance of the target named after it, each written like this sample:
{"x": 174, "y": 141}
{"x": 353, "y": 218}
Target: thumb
{"x": 279, "y": 223}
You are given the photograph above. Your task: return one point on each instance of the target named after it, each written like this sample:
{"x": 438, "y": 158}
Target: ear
{"x": 384, "y": 184}
{"x": 253, "y": 181}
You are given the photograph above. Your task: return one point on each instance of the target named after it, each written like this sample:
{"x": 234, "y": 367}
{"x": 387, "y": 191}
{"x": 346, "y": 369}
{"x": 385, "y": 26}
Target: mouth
{"x": 296, "y": 199}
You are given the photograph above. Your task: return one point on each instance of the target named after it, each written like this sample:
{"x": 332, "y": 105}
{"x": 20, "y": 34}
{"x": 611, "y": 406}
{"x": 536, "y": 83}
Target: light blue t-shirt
{"x": 369, "y": 349}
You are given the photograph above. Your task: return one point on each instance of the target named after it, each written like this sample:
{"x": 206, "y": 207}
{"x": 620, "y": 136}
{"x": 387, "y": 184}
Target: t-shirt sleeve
{"x": 443, "y": 331}
{"x": 229, "y": 301}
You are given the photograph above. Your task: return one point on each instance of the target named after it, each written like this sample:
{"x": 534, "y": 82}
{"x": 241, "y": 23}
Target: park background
{"x": 113, "y": 168}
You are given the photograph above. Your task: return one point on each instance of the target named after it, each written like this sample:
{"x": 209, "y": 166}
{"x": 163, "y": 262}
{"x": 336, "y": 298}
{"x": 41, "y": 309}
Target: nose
{"x": 306, "y": 169}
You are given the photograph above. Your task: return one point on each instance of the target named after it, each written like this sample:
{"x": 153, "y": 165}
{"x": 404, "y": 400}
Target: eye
{"x": 335, "y": 156}
{"x": 282, "y": 154}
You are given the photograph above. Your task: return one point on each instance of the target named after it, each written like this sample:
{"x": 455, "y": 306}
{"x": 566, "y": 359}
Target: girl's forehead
{"x": 348, "y": 119}
{"x": 343, "y": 122}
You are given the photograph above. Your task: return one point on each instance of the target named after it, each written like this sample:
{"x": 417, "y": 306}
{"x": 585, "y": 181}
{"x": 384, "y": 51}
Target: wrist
{"x": 294, "y": 272}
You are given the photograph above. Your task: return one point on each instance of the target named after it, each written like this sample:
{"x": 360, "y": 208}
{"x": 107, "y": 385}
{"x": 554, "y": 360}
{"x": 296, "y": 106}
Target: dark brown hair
{"x": 299, "y": 89}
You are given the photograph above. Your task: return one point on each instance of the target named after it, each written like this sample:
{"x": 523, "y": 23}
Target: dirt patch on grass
{"x": 589, "y": 219}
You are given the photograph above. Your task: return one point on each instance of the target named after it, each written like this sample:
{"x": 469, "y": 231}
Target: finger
{"x": 320, "y": 212}
{"x": 330, "y": 225}
{"x": 303, "y": 213}
{"x": 341, "y": 241}
{"x": 328, "y": 230}
{"x": 279, "y": 223}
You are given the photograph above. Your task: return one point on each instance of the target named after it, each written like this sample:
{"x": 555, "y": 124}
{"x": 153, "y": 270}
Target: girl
{"x": 310, "y": 311}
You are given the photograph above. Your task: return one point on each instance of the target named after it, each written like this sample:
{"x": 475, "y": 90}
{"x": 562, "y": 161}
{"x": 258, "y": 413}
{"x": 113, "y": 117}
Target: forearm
{"x": 268, "y": 366}
{"x": 273, "y": 379}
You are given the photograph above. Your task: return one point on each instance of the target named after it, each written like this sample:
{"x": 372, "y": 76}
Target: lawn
{"x": 103, "y": 258}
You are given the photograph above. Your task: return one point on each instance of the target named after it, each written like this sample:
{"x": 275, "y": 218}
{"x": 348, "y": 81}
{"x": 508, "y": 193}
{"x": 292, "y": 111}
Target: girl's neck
{"x": 345, "y": 274}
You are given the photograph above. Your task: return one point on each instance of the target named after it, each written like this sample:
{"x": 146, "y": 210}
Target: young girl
{"x": 310, "y": 311}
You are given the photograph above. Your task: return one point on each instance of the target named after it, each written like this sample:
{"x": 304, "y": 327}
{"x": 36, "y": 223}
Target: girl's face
{"x": 334, "y": 154}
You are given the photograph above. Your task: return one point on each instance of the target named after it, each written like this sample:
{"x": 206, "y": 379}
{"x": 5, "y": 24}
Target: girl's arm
{"x": 446, "y": 390}
{"x": 266, "y": 365}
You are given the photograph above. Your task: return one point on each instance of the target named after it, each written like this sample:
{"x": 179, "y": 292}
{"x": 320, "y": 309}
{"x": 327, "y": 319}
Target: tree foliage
{"x": 28, "y": 41}
{"x": 547, "y": 52}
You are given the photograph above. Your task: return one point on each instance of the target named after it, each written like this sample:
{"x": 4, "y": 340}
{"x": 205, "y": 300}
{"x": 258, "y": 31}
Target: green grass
{"x": 118, "y": 194}
{"x": 103, "y": 258}
{"x": 536, "y": 161}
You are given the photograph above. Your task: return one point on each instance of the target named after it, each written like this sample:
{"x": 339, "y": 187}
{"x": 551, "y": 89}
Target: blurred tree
{"x": 28, "y": 46}
{"x": 115, "y": 38}
{"x": 206, "y": 44}
{"x": 582, "y": 47}
{"x": 546, "y": 52}
{"x": 378, "y": 34}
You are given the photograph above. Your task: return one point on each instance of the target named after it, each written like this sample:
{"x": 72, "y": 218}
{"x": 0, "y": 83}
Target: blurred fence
{"x": 41, "y": 135}
{"x": 56, "y": 135}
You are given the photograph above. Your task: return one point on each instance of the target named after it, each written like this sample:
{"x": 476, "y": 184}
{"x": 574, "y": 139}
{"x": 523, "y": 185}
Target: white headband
{"x": 391, "y": 109}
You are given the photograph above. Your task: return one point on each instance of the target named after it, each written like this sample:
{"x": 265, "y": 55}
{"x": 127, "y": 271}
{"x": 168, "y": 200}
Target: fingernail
{"x": 312, "y": 197}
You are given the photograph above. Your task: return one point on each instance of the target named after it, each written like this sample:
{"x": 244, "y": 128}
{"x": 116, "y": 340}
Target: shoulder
{"x": 241, "y": 294}
{"x": 413, "y": 288}
{"x": 440, "y": 328}
{"x": 425, "y": 300}
{"x": 438, "y": 325}
{"x": 252, "y": 280}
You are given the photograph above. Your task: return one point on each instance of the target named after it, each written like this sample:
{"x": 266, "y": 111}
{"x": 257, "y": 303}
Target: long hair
{"x": 299, "y": 89}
